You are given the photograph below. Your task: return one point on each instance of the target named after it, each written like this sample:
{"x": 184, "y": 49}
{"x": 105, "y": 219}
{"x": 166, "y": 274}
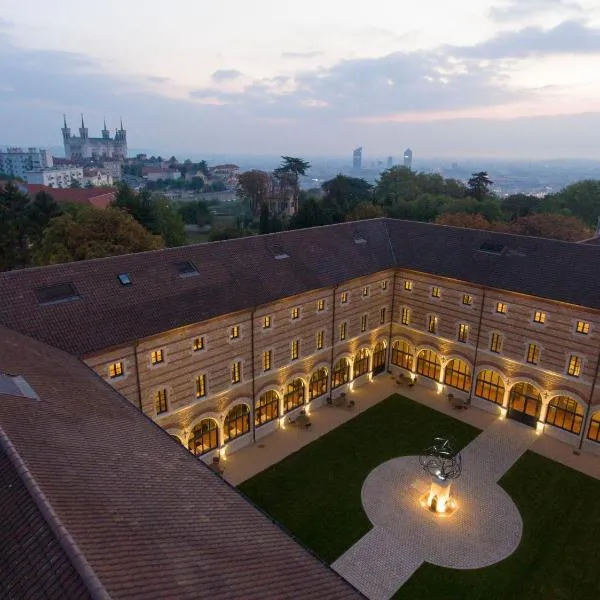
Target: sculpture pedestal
{"x": 438, "y": 499}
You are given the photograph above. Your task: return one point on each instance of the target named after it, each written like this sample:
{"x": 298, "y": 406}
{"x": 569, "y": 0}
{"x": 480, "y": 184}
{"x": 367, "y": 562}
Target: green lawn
{"x": 315, "y": 494}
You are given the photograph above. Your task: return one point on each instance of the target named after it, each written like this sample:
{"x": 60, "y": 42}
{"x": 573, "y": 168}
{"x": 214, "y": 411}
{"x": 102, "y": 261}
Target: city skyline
{"x": 516, "y": 79}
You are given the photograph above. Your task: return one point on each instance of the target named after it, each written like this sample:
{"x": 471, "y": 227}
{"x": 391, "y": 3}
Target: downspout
{"x": 389, "y": 352}
{"x": 253, "y": 376}
{"x": 473, "y": 381}
{"x": 332, "y": 341}
{"x": 589, "y": 407}
{"x": 137, "y": 374}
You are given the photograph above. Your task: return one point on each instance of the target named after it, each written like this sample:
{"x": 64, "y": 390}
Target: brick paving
{"x": 485, "y": 529}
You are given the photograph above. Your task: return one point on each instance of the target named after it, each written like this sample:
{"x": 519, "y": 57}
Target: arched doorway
{"x": 525, "y": 403}
{"x": 429, "y": 364}
{"x": 318, "y": 383}
{"x": 361, "y": 363}
{"x": 294, "y": 395}
{"x": 490, "y": 386}
{"x": 341, "y": 373}
{"x": 204, "y": 438}
{"x": 379, "y": 358}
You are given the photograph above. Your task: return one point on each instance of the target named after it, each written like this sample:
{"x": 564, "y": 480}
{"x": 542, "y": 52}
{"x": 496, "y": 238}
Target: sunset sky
{"x": 465, "y": 78}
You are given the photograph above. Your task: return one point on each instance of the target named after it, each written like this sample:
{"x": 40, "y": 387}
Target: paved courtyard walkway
{"x": 485, "y": 529}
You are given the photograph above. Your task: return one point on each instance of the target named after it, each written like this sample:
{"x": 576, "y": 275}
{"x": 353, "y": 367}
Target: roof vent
{"x": 279, "y": 253}
{"x": 60, "y": 292}
{"x": 186, "y": 269}
{"x": 359, "y": 239}
{"x": 11, "y": 385}
{"x": 492, "y": 248}
{"x": 124, "y": 278}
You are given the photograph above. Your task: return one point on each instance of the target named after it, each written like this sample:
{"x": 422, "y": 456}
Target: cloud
{"x": 222, "y": 75}
{"x": 520, "y": 10}
{"x": 296, "y": 55}
{"x": 570, "y": 37}
{"x": 156, "y": 79}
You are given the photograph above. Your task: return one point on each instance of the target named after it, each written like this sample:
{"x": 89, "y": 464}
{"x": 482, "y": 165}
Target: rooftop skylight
{"x": 11, "y": 385}
{"x": 491, "y": 248}
{"x": 186, "y": 268}
{"x": 59, "y": 292}
{"x": 124, "y": 278}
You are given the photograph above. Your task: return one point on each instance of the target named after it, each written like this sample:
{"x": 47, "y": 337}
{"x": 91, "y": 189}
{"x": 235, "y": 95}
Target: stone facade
{"x": 86, "y": 147}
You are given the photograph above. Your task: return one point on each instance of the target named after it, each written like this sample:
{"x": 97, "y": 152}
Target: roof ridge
{"x": 76, "y": 557}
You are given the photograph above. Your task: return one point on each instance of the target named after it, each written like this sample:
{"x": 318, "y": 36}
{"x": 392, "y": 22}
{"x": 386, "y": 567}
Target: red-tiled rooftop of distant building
{"x": 100, "y": 197}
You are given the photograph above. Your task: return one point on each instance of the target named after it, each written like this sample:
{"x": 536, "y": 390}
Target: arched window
{"x": 204, "y": 438}
{"x": 594, "y": 430}
{"x": 318, "y": 383}
{"x": 237, "y": 422}
{"x": 294, "y": 395}
{"x": 565, "y": 413}
{"x": 341, "y": 373}
{"x": 458, "y": 375}
{"x": 361, "y": 362}
{"x": 525, "y": 403}
{"x": 489, "y": 386}
{"x": 402, "y": 355}
{"x": 429, "y": 365}
{"x": 267, "y": 408}
{"x": 379, "y": 357}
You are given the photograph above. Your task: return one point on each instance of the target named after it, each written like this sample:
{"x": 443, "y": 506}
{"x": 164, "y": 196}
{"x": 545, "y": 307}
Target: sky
{"x": 509, "y": 78}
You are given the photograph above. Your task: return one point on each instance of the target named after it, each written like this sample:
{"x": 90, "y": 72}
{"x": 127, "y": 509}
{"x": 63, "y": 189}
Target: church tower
{"x": 66, "y": 131}
{"x": 105, "y": 132}
{"x": 83, "y": 132}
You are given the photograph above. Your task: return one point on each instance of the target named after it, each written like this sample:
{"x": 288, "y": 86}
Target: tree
{"x": 479, "y": 186}
{"x": 93, "y": 233}
{"x": 490, "y": 209}
{"x": 168, "y": 222}
{"x": 14, "y": 228}
{"x": 396, "y": 185}
{"x": 289, "y": 172}
{"x": 342, "y": 194}
{"x": 310, "y": 214}
{"x": 218, "y": 186}
{"x": 263, "y": 225}
{"x": 40, "y": 212}
{"x": 520, "y": 205}
{"x": 230, "y": 233}
{"x": 253, "y": 187}
{"x": 559, "y": 227}
{"x": 470, "y": 220}
{"x": 581, "y": 199}
{"x": 365, "y": 210}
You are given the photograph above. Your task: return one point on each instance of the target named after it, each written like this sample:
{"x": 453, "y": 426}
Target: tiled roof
{"x": 97, "y": 197}
{"x": 241, "y": 273}
{"x": 144, "y": 517}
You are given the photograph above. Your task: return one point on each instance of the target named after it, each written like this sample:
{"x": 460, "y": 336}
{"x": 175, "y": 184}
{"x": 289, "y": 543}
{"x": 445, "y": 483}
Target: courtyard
{"x": 319, "y": 495}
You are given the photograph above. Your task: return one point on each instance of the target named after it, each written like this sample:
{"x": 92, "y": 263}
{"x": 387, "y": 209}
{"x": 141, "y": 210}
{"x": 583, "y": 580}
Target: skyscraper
{"x": 357, "y": 159}
{"x": 390, "y": 162}
{"x": 408, "y": 156}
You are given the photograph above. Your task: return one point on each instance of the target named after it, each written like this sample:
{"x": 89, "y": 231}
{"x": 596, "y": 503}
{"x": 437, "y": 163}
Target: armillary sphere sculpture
{"x": 443, "y": 462}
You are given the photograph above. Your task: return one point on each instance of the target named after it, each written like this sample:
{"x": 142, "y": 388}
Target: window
{"x": 124, "y": 279}
{"x": 318, "y": 383}
{"x": 533, "y": 354}
{"x": 115, "y": 370}
{"x": 186, "y": 269}
{"x": 267, "y": 360}
{"x": 59, "y": 292}
{"x": 408, "y": 285}
{"x": 160, "y": 401}
{"x": 429, "y": 365}
{"x": 402, "y": 355}
{"x": 320, "y": 305}
{"x": 365, "y": 291}
{"x": 295, "y": 312}
{"x": 295, "y": 349}
{"x": 320, "y": 339}
{"x": 266, "y": 322}
{"x": 234, "y": 334}
{"x": 496, "y": 343}
{"x": 343, "y": 328}
{"x": 156, "y": 357}
{"x": 204, "y": 438}
{"x": 382, "y": 316}
{"x": 594, "y": 430}
{"x": 201, "y": 386}
{"x": 489, "y": 386}
{"x": 583, "y": 327}
{"x": 384, "y": 285}
{"x": 267, "y": 408}
{"x": 501, "y": 308}
{"x": 236, "y": 372}
{"x": 436, "y": 292}
{"x": 565, "y": 413}
{"x": 539, "y": 317}
{"x": 458, "y": 375}
{"x": 341, "y": 373}
{"x": 463, "y": 333}
{"x": 406, "y": 316}
{"x": 467, "y": 300}
{"x": 294, "y": 395}
{"x": 361, "y": 363}
{"x": 432, "y": 325}
{"x": 198, "y": 344}
{"x": 574, "y": 368}
{"x": 344, "y": 298}
{"x": 526, "y": 399}
{"x": 237, "y": 422}
{"x": 379, "y": 358}
{"x": 363, "y": 322}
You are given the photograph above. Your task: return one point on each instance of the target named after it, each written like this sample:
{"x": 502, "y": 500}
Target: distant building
{"x": 390, "y": 162}
{"x": 159, "y": 173}
{"x": 87, "y": 147}
{"x": 86, "y": 196}
{"x": 114, "y": 167}
{"x": 97, "y": 177}
{"x": 228, "y": 174}
{"x": 357, "y": 159}
{"x": 55, "y": 177}
{"x": 408, "y": 158}
{"x": 16, "y": 162}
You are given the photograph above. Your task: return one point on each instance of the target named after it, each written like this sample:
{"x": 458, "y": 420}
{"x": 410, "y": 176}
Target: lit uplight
{"x": 282, "y": 423}
{"x": 539, "y": 428}
{"x": 503, "y": 412}
{"x": 440, "y": 387}
{"x": 223, "y": 453}
{"x": 413, "y": 376}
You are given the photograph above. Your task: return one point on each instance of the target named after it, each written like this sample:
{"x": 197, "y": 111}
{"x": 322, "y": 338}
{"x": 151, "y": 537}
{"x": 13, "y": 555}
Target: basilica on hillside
{"x": 91, "y": 147}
